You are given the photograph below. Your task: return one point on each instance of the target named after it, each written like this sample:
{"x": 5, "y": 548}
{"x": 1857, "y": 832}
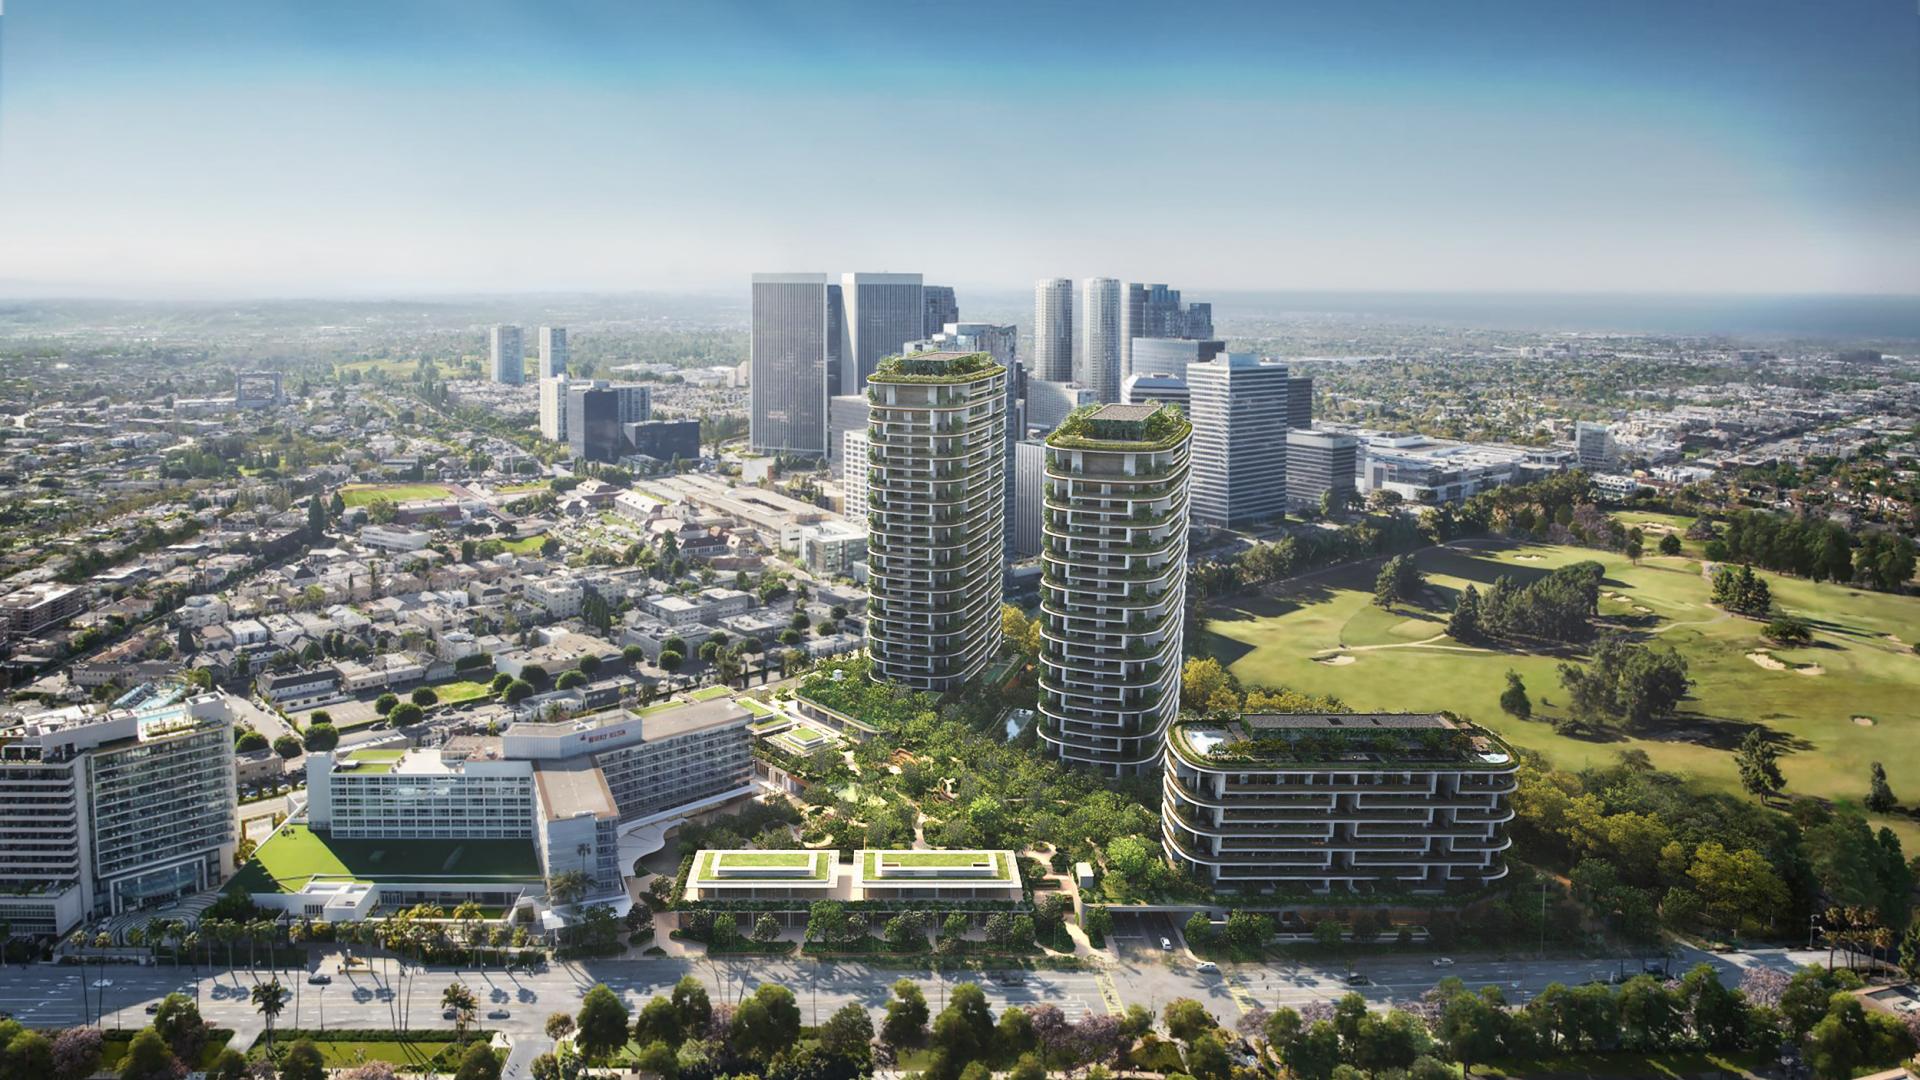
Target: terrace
{"x": 985, "y": 875}
{"x": 763, "y": 875}
{"x": 1363, "y": 742}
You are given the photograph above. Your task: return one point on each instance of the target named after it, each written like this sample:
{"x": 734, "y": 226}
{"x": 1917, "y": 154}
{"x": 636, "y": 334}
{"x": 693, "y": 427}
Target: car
{"x": 1206, "y": 965}
{"x": 1357, "y": 979}
{"x": 152, "y": 1008}
{"x": 1166, "y": 944}
{"x": 499, "y": 1014}
{"x": 1907, "y": 1005}
{"x": 319, "y": 978}
{"x": 1443, "y": 961}
{"x": 450, "y": 1014}
{"x": 1010, "y": 978}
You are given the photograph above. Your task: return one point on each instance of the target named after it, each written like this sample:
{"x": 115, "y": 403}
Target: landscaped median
{"x": 406, "y": 1051}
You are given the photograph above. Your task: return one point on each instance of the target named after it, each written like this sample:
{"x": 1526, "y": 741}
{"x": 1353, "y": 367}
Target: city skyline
{"x": 1490, "y": 148}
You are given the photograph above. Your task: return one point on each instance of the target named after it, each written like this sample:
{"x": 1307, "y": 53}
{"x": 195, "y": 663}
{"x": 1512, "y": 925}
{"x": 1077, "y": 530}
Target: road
{"x": 50, "y": 996}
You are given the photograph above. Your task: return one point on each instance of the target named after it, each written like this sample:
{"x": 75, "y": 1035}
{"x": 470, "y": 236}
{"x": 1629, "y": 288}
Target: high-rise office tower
{"x": 1321, "y": 463}
{"x": 1155, "y": 311}
{"x": 1171, "y": 356}
{"x": 1594, "y": 445}
{"x": 853, "y": 475}
{"x": 794, "y": 338}
{"x": 553, "y": 409}
{"x": 112, "y": 812}
{"x": 1053, "y": 330}
{"x": 1113, "y": 584}
{"x": 942, "y": 308}
{"x": 845, "y": 412}
{"x": 553, "y": 351}
{"x": 508, "y": 354}
{"x": 597, "y": 413}
{"x": 1239, "y": 409}
{"x": 883, "y": 313}
{"x": 1141, "y": 389}
{"x": 936, "y": 512}
{"x": 1048, "y": 403}
{"x": 1029, "y": 480}
{"x": 1299, "y": 401}
{"x": 1097, "y": 366}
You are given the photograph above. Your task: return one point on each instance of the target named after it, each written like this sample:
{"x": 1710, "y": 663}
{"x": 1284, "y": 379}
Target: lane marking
{"x": 1109, "y": 993}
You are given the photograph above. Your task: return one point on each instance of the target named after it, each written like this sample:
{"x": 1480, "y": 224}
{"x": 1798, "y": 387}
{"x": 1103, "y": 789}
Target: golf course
{"x": 1847, "y": 699}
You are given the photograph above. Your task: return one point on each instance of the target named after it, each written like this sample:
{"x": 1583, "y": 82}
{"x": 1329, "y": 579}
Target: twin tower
{"x": 1113, "y": 559}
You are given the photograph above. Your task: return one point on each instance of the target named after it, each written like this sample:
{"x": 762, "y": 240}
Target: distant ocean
{"x": 1850, "y": 317}
{"x": 1838, "y": 318}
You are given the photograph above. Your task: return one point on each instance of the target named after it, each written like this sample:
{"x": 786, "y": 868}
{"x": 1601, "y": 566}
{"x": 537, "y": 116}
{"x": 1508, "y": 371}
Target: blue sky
{"x": 248, "y": 146}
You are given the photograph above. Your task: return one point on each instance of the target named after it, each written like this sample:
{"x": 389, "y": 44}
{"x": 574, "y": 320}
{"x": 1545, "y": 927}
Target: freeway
{"x": 392, "y": 996}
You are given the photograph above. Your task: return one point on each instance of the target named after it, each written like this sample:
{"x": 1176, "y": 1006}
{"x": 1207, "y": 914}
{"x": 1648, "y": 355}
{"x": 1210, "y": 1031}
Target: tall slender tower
{"x": 935, "y": 511}
{"x": 1098, "y": 365}
{"x": 508, "y": 354}
{"x": 553, "y": 351}
{"x": 789, "y": 355}
{"x": 1113, "y": 584}
{"x": 1053, "y": 330}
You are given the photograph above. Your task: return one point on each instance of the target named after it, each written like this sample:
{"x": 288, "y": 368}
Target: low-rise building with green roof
{"x": 1369, "y": 802}
{"x": 797, "y": 874}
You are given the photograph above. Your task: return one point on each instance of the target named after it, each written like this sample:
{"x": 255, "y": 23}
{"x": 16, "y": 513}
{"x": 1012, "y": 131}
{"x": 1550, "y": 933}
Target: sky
{"x": 396, "y": 147}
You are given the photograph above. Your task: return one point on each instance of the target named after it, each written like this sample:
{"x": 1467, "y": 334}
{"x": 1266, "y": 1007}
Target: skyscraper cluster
{"x": 815, "y": 339}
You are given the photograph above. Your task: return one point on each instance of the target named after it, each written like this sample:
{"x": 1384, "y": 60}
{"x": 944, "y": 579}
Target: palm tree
{"x": 269, "y": 998}
{"x": 468, "y": 913}
{"x": 461, "y": 1000}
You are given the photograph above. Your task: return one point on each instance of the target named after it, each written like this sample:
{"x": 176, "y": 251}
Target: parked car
{"x": 319, "y": 978}
{"x": 1166, "y": 944}
{"x": 498, "y": 1014}
{"x": 152, "y": 1008}
{"x": 1206, "y": 965}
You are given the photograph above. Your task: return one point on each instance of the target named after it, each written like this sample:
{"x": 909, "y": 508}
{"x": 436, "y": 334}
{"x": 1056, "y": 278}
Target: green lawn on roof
{"x": 378, "y": 755}
{"x": 709, "y": 693}
{"x": 361, "y": 494}
{"x": 748, "y": 860}
{"x": 528, "y": 545}
{"x": 757, "y": 707}
{"x": 713, "y": 861}
{"x": 454, "y": 693}
{"x": 934, "y": 858}
{"x": 296, "y": 855}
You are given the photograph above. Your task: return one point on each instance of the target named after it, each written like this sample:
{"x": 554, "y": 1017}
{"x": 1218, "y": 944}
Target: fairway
{"x": 361, "y": 494}
{"x": 1842, "y": 703}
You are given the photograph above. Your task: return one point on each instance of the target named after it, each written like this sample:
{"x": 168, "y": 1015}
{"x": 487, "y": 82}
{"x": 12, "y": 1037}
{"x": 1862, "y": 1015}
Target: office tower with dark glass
{"x": 1097, "y": 366}
{"x": 1053, "y": 330}
{"x": 1299, "y": 401}
{"x": 1239, "y": 409}
{"x": 1113, "y": 585}
{"x": 597, "y": 415}
{"x": 943, "y": 307}
{"x": 1321, "y": 467}
{"x": 793, "y": 340}
{"x": 883, "y": 313}
{"x": 553, "y": 351}
{"x": 936, "y": 514}
{"x": 1149, "y": 311}
{"x": 507, "y": 353}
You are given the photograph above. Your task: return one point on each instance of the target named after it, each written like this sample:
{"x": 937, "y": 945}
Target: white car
{"x": 1443, "y": 961}
{"x": 1906, "y": 1005}
{"x": 1206, "y": 965}
{"x": 1166, "y": 944}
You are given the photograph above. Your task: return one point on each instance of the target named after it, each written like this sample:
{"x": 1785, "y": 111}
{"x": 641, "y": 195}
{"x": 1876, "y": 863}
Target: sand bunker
{"x": 1767, "y": 661}
{"x": 1531, "y": 558}
{"x": 1809, "y": 669}
{"x": 1863, "y": 721}
{"x": 1655, "y": 526}
{"x": 1336, "y": 660}
{"x": 1639, "y": 610}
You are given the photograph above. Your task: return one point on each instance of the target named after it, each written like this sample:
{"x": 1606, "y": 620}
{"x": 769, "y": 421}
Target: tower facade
{"x": 1239, "y": 439}
{"x": 507, "y": 354}
{"x": 883, "y": 313}
{"x": 553, "y": 351}
{"x": 789, "y": 356}
{"x": 1113, "y": 584}
{"x": 935, "y": 508}
{"x": 1053, "y": 330}
{"x": 1097, "y": 366}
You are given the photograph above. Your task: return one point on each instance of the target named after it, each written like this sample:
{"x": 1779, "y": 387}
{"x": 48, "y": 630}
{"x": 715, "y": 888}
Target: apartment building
{"x": 936, "y": 504}
{"x": 451, "y": 793}
{"x": 1323, "y": 803}
{"x": 665, "y": 762}
{"x": 1113, "y": 584}
{"x": 115, "y": 810}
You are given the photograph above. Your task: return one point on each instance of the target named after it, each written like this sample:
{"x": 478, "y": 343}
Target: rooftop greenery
{"x": 871, "y": 863}
{"x": 1377, "y": 748}
{"x": 1163, "y": 430}
{"x": 935, "y": 367}
{"x": 710, "y": 863}
{"x": 297, "y": 855}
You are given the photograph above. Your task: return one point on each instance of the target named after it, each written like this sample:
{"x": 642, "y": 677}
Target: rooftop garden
{"x": 875, "y": 863}
{"x": 721, "y": 866}
{"x": 1162, "y": 430}
{"x": 934, "y": 367}
{"x": 1227, "y": 740}
{"x": 296, "y": 855}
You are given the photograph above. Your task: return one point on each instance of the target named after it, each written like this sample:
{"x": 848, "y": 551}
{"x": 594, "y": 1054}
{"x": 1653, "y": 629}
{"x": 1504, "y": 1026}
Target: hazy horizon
{"x": 429, "y": 147}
